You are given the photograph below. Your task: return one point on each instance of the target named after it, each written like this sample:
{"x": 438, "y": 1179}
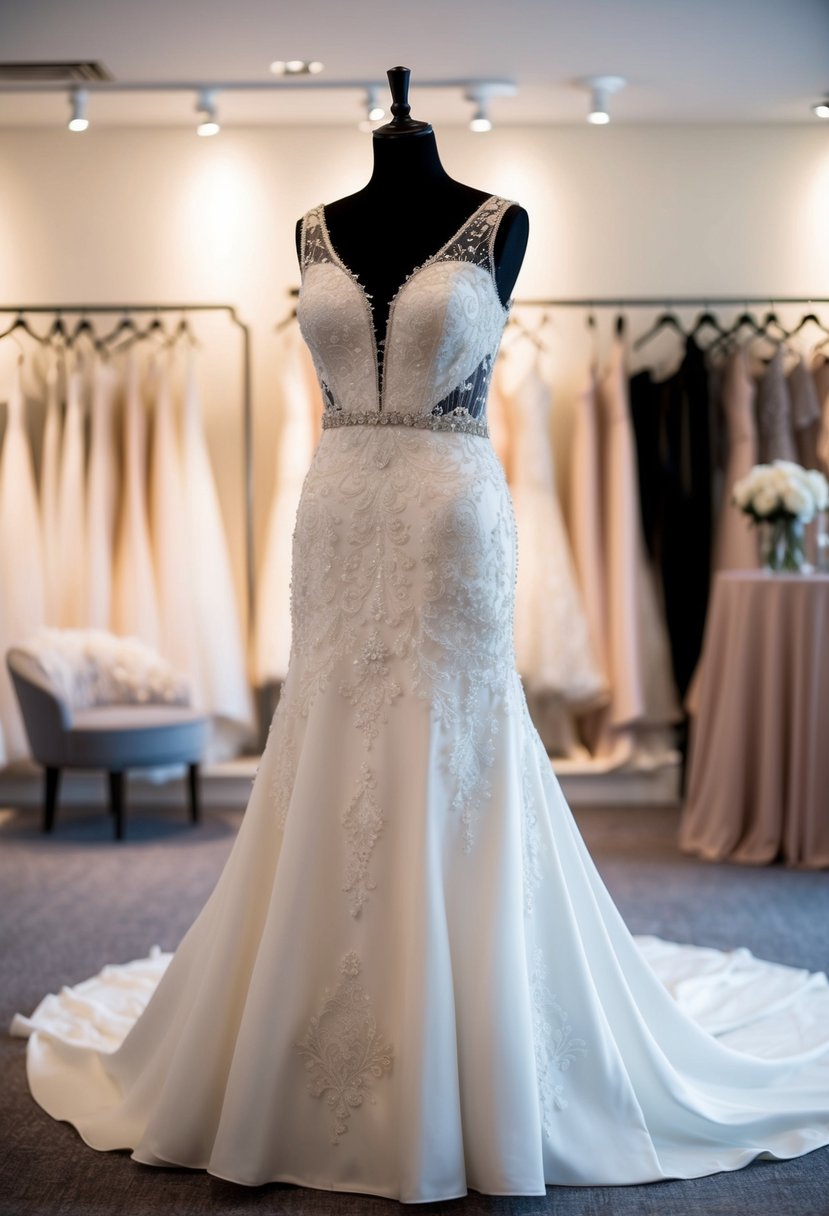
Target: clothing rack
{"x": 668, "y": 301}
{"x": 86, "y": 310}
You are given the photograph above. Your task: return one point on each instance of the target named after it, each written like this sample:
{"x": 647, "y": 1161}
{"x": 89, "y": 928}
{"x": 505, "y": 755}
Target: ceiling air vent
{"x": 52, "y": 73}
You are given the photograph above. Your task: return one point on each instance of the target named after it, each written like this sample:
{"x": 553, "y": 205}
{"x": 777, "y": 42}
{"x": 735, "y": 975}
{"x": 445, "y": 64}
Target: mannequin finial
{"x": 401, "y": 123}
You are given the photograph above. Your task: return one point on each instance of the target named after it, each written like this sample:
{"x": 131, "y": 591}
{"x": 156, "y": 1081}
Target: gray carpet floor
{"x": 71, "y": 903}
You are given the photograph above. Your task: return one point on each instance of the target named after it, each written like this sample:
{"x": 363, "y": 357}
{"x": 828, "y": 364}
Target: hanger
{"x": 665, "y": 320}
{"x": 85, "y": 328}
{"x": 286, "y": 320}
{"x": 125, "y": 325}
{"x": 183, "y": 330}
{"x": 593, "y": 332}
{"x": 729, "y": 335}
{"x": 707, "y": 319}
{"x": 805, "y": 320}
{"x": 20, "y": 322}
{"x": 524, "y": 331}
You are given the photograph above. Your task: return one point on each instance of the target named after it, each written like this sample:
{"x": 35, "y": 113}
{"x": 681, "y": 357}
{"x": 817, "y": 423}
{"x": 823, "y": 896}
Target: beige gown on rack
{"x": 216, "y": 623}
{"x": 135, "y": 602}
{"x": 22, "y": 594}
{"x": 49, "y": 481}
{"x": 168, "y": 533}
{"x": 552, "y": 641}
{"x": 735, "y": 543}
{"x": 774, "y": 413}
{"x": 585, "y": 518}
{"x": 71, "y": 510}
{"x": 101, "y": 496}
{"x": 298, "y": 434}
{"x": 644, "y": 699}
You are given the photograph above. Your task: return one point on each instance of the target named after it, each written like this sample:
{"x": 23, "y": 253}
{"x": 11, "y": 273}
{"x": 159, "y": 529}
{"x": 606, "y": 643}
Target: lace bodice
{"x": 445, "y": 323}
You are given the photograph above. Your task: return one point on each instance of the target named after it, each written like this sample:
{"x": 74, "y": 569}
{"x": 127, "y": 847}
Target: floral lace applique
{"x": 555, "y": 1045}
{"x": 363, "y": 823}
{"x": 530, "y": 842}
{"x": 281, "y": 740}
{"x": 404, "y": 560}
{"x": 343, "y": 1049}
{"x": 373, "y": 690}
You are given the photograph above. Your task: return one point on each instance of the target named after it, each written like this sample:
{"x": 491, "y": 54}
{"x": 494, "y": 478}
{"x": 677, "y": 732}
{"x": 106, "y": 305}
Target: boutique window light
{"x": 78, "y": 99}
{"x": 206, "y": 106}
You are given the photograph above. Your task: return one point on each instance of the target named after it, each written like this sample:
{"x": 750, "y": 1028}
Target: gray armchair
{"x": 112, "y": 737}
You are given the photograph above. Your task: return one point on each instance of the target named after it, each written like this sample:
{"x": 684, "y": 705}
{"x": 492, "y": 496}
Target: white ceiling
{"x": 685, "y": 60}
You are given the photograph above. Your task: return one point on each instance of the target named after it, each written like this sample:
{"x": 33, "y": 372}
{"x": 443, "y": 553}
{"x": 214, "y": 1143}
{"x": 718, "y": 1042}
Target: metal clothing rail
{"x": 668, "y": 301}
{"x": 86, "y": 310}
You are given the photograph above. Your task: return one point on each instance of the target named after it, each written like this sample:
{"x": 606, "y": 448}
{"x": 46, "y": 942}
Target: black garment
{"x": 672, "y": 424}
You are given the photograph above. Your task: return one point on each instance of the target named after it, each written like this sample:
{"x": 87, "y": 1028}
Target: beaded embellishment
{"x": 457, "y": 420}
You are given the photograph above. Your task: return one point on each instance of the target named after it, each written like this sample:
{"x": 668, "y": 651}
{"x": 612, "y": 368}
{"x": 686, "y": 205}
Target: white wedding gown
{"x": 410, "y": 979}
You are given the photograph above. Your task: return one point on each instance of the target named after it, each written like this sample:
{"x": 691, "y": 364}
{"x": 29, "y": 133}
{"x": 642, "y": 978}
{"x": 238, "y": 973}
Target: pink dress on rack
{"x": 735, "y": 543}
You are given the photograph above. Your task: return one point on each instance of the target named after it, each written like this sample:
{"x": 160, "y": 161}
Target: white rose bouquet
{"x": 786, "y": 497}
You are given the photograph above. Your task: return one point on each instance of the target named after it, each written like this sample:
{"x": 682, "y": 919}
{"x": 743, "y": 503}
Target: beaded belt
{"x": 459, "y": 420}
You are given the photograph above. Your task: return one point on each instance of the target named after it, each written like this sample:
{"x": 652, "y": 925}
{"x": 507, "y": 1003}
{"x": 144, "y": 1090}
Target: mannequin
{"x": 408, "y": 209}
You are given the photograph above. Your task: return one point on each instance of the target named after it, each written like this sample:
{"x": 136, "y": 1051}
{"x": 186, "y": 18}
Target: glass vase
{"x": 783, "y": 545}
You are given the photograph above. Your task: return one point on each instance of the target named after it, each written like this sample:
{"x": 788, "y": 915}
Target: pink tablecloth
{"x": 758, "y": 784}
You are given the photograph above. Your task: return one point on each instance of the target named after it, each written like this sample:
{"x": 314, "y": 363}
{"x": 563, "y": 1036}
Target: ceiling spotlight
{"x": 373, "y": 108}
{"x": 206, "y": 107}
{"x": 480, "y": 120}
{"x": 822, "y": 108}
{"x": 296, "y": 67}
{"x": 601, "y": 89}
{"x": 78, "y": 99}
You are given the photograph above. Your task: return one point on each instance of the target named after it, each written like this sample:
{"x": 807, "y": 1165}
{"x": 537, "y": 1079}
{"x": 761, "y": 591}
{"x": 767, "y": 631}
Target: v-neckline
{"x": 379, "y": 347}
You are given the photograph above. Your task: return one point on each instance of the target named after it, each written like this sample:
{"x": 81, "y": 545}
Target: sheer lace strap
{"x": 314, "y": 248}
{"x": 503, "y": 206}
{"x": 475, "y": 241}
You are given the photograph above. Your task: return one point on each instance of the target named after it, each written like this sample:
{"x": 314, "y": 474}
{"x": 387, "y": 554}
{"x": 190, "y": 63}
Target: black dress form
{"x": 672, "y": 425}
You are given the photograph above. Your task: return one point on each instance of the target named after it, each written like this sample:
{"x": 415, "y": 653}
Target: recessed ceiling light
{"x": 296, "y": 67}
{"x": 822, "y": 109}
{"x": 206, "y": 106}
{"x": 601, "y": 89}
{"x": 78, "y": 121}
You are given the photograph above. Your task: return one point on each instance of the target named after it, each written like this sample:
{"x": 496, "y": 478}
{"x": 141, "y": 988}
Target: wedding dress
{"x": 22, "y": 592}
{"x": 134, "y": 595}
{"x": 410, "y": 979}
{"x": 71, "y": 507}
{"x": 49, "y": 483}
{"x": 168, "y": 532}
{"x": 223, "y": 688}
{"x": 553, "y": 650}
{"x": 101, "y": 497}
{"x": 297, "y": 439}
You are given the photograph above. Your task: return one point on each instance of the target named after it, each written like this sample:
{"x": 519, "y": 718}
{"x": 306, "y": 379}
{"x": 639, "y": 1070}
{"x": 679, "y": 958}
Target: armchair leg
{"x": 50, "y": 802}
{"x": 116, "y": 802}
{"x": 193, "y": 784}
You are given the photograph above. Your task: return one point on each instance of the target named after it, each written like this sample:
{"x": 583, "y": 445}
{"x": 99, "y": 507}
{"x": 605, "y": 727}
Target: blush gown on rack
{"x": 410, "y": 979}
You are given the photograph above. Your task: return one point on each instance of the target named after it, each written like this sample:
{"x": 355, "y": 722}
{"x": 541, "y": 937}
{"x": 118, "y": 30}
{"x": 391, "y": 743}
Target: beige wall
{"x": 159, "y": 215}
